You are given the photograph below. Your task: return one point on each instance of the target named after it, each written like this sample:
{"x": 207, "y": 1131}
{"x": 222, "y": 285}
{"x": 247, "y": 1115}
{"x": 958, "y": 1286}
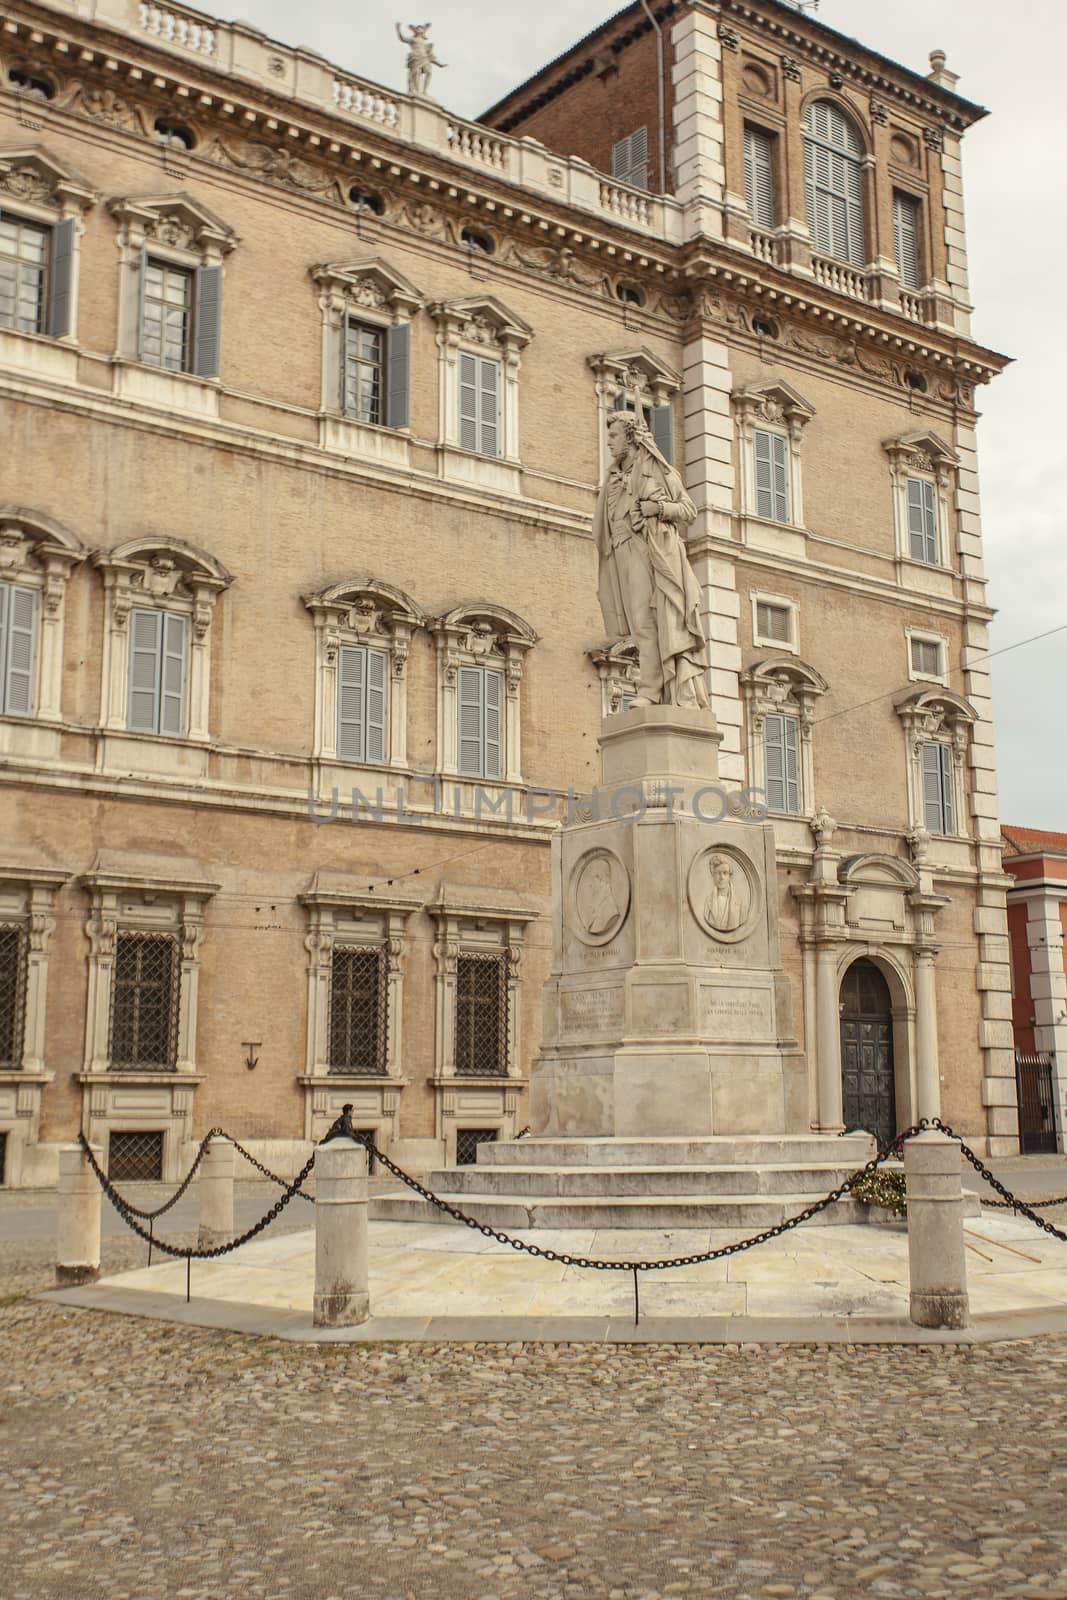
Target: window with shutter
{"x": 361, "y": 686}
{"x": 774, "y": 622}
{"x": 759, "y": 176}
{"x": 25, "y": 251}
{"x": 772, "y": 475}
{"x": 207, "y": 322}
{"x": 833, "y": 165}
{"x": 398, "y": 376}
{"x": 167, "y": 315}
{"x": 60, "y": 280}
{"x": 629, "y": 159}
{"x": 157, "y": 673}
{"x": 362, "y": 371}
{"x": 481, "y": 716}
{"x": 922, "y": 521}
{"x": 939, "y": 810}
{"x": 906, "y": 219}
{"x": 926, "y": 657}
{"x": 479, "y": 404}
{"x": 781, "y": 763}
{"x": 18, "y": 632}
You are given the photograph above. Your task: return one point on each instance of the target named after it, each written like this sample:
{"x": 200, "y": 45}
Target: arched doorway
{"x": 868, "y": 1086}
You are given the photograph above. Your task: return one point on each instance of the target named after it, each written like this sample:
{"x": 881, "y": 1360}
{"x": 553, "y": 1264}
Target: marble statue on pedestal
{"x": 648, "y": 592}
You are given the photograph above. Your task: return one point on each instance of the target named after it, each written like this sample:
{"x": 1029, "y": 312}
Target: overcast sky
{"x": 1010, "y": 60}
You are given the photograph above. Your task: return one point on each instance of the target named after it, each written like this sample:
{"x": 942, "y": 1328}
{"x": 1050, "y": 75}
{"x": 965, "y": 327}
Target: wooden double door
{"x": 869, "y": 1097}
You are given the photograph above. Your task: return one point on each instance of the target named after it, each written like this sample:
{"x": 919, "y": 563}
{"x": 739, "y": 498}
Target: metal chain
{"x": 267, "y": 1173}
{"x": 639, "y": 1266}
{"x": 126, "y": 1213}
{"x": 1008, "y": 1199}
{"x": 150, "y": 1216}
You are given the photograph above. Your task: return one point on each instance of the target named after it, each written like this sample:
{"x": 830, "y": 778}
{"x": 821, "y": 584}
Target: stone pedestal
{"x": 936, "y": 1260}
{"x": 342, "y": 1295}
{"x": 667, "y": 1012}
{"x": 215, "y": 1190}
{"x": 80, "y": 1198}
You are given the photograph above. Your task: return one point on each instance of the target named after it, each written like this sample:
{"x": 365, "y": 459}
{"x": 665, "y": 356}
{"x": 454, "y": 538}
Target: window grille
{"x": 759, "y": 176}
{"x": 24, "y": 252}
{"x": 467, "y": 1142}
{"x": 359, "y": 1010}
{"x": 922, "y": 521}
{"x": 135, "y": 1157}
{"x": 629, "y": 159}
{"x": 372, "y": 1134}
{"x": 774, "y": 622}
{"x": 926, "y": 657}
{"x": 18, "y": 638}
{"x": 479, "y": 404}
{"x": 906, "y": 218}
{"x": 12, "y": 993}
{"x": 833, "y": 159}
{"x": 781, "y": 759}
{"x": 144, "y": 1003}
{"x": 939, "y": 809}
{"x": 3, "y": 1158}
{"x": 481, "y": 1016}
{"x": 772, "y": 476}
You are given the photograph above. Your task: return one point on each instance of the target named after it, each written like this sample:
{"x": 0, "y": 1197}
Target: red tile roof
{"x": 1034, "y": 842}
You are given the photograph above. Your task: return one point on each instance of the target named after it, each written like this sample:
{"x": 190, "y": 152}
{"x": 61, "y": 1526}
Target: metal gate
{"x": 868, "y": 1084}
{"x": 1037, "y": 1104}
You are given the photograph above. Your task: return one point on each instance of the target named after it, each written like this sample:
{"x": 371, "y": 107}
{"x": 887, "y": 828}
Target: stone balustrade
{"x": 841, "y": 278}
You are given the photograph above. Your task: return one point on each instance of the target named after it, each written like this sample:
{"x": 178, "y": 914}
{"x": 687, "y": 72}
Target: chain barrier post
{"x": 78, "y": 1223}
{"x": 936, "y": 1260}
{"x": 215, "y": 1191}
{"x": 342, "y": 1293}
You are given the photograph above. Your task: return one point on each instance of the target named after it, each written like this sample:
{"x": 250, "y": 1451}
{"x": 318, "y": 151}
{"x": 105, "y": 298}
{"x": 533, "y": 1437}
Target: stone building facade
{"x": 303, "y": 388}
{"x": 1036, "y": 863}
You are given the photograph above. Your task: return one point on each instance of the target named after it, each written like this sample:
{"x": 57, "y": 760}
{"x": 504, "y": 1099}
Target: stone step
{"x": 805, "y": 1149}
{"x": 515, "y": 1211}
{"x": 638, "y": 1182}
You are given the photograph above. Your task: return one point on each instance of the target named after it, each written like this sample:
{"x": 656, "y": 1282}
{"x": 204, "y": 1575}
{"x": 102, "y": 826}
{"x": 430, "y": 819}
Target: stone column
{"x": 936, "y": 1261}
{"x": 214, "y": 1186}
{"x": 828, "y": 1034}
{"x": 78, "y": 1230}
{"x": 342, "y": 1296}
{"x": 928, "y": 1082}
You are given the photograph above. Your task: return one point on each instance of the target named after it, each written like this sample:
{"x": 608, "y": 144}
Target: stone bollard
{"x": 935, "y": 1231}
{"x": 341, "y": 1277}
{"x": 78, "y": 1229}
{"x": 214, "y": 1186}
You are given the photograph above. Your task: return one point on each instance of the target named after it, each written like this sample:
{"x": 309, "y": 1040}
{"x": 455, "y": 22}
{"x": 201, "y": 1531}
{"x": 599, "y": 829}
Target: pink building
{"x": 1037, "y": 922}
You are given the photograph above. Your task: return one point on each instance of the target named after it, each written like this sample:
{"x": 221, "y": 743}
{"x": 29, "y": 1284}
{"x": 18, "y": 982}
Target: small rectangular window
{"x": 481, "y": 1016}
{"x": 144, "y": 1003}
{"x": 135, "y": 1157}
{"x": 781, "y": 760}
{"x": 467, "y": 1142}
{"x": 907, "y": 216}
{"x": 939, "y": 809}
{"x": 25, "y": 250}
{"x": 157, "y": 673}
{"x": 358, "y": 1010}
{"x": 759, "y": 176}
{"x": 361, "y": 709}
{"x": 629, "y": 159}
{"x": 774, "y": 622}
{"x": 12, "y": 993}
{"x": 927, "y": 658}
{"x": 922, "y": 521}
{"x": 479, "y": 404}
{"x": 772, "y": 476}
{"x": 480, "y": 733}
{"x": 167, "y": 316}
{"x": 18, "y": 633}
{"x": 362, "y": 386}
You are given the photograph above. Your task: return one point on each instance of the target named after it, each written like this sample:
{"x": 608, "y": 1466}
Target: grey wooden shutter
{"x": 376, "y": 681}
{"x": 207, "y": 322}
{"x": 856, "y": 246}
{"x": 661, "y": 422}
{"x": 492, "y": 766}
{"x": 146, "y": 642}
{"x": 60, "y": 280}
{"x": 629, "y": 159}
{"x": 833, "y": 171}
{"x": 468, "y": 401}
{"x": 142, "y": 290}
{"x": 772, "y": 476}
{"x": 398, "y": 376}
{"x": 471, "y": 702}
{"x": 791, "y": 744}
{"x": 172, "y": 677}
{"x": 759, "y": 176}
{"x": 351, "y": 704}
{"x": 906, "y": 239}
{"x": 774, "y": 762}
{"x": 938, "y": 807}
{"x": 922, "y": 521}
{"x": 779, "y": 450}
{"x": 489, "y": 393}
{"x": 18, "y": 628}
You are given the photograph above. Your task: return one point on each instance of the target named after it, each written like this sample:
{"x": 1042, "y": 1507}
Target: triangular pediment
{"x": 635, "y": 367}
{"x": 774, "y": 400}
{"x": 175, "y": 219}
{"x": 483, "y": 319}
{"x": 29, "y": 172}
{"x": 923, "y": 447}
{"x": 369, "y": 281}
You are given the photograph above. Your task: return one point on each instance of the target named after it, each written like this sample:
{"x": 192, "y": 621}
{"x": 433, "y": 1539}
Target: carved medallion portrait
{"x": 599, "y": 897}
{"x": 724, "y": 893}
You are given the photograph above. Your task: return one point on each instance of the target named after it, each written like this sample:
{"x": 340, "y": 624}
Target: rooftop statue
{"x": 421, "y": 59}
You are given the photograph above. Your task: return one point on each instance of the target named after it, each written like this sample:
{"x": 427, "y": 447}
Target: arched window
{"x": 833, "y": 164}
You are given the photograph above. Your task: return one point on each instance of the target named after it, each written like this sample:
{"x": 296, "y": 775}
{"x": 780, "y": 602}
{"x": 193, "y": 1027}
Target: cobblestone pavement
{"x": 140, "y": 1461}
